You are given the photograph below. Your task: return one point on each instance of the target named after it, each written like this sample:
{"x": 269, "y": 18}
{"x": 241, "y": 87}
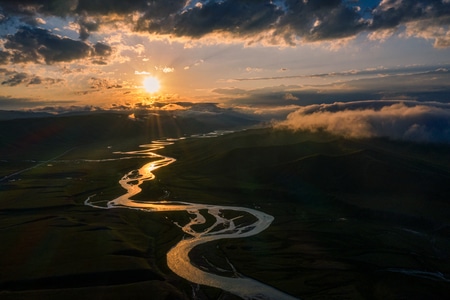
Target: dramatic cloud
{"x": 40, "y": 45}
{"x": 283, "y": 21}
{"x": 392, "y": 13}
{"x": 102, "y": 49}
{"x": 401, "y": 120}
{"x": 223, "y": 50}
{"x": 87, "y": 25}
{"x": 243, "y": 18}
{"x": 4, "y": 57}
{"x": 319, "y": 20}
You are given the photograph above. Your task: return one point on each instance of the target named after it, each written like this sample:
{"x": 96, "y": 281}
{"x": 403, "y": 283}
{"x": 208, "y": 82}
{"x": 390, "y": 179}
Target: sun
{"x": 151, "y": 84}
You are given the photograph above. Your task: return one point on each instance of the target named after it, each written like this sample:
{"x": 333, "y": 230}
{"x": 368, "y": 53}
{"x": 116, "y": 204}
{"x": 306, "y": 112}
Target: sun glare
{"x": 151, "y": 84}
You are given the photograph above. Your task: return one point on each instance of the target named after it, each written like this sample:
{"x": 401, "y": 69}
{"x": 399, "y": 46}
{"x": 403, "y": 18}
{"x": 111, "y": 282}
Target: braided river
{"x": 222, "y": 227}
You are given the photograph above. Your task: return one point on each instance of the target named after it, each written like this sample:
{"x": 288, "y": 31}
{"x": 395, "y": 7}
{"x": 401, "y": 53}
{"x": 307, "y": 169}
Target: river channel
{"x": 178, "y": 258}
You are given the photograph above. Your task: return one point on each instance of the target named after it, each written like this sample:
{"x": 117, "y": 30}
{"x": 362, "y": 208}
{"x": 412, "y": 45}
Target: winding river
{"x": 178, "y": 258}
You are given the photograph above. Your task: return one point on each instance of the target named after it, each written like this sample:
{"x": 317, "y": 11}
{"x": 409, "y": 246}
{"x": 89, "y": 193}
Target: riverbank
{"x": 352, "y": 218}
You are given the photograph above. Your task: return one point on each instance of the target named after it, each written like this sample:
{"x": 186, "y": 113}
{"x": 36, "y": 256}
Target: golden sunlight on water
{"x": 178, "y": 259}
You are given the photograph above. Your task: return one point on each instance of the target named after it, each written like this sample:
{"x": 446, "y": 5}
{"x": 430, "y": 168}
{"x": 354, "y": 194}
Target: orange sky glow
{"x": 274, "y": 53}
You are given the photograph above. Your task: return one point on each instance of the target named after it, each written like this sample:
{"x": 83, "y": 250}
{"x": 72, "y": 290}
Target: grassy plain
{"x": 53, "y": 246}
{"x": 354, "y": 219}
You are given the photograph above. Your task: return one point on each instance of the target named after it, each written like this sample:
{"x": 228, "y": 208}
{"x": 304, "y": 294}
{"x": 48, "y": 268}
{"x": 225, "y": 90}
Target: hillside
{"x": 356, "y": 219}
{"x": 331, "y": 165}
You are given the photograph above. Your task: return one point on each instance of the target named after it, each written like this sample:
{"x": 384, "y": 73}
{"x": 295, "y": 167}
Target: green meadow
{"x": 354, "y": 219}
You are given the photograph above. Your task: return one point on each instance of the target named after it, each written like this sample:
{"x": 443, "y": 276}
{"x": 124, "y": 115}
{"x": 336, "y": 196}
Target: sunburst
{"x": 151, "y": 84}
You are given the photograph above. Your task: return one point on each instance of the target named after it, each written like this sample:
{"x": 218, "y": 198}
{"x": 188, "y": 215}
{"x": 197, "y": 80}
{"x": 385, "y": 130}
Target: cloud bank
{"x": 399, "y": 120}
{"x": 30, "y": 44}
{"x": 276, "y": 22}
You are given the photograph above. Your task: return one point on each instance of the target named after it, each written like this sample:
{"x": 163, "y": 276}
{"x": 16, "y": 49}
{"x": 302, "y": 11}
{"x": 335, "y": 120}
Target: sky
{"x": 231, "y": 52}
{"x": 279, "y": 56}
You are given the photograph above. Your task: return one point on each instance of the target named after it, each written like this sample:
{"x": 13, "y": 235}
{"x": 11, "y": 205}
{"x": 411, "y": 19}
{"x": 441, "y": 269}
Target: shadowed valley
{"x": 358, "y": 219}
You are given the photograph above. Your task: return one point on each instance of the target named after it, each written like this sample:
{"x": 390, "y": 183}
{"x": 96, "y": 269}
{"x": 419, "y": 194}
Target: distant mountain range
{"x": 39, "y": 131}
{"x": 15, "y": 114}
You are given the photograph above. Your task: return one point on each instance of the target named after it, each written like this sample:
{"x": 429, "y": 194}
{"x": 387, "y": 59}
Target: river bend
{"x": 178, "y": 258}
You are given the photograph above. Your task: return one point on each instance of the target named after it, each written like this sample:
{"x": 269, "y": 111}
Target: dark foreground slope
{"x": 52, "y": 245}
{"x": 364, "y": 219}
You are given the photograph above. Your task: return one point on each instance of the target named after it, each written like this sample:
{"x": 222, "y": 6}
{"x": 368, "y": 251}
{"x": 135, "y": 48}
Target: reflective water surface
{"x": 223, "y": 227}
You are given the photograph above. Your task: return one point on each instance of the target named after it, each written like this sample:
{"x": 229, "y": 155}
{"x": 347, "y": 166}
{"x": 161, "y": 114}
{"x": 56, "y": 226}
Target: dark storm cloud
{"x": 392, "y": 13}
{"x": 283, "y": 20}
{"x": 31, "y": 7}
{"x": 87, "y": 26}
{"x": 234, "y": 16}
{"x": 36, "y": 45}
{"x": 151, "y": 8}
{"x": 101, "y": 49}
{"x": 118, "y": 6}
{"x": 320, "y": 20}
{"x": 292, "y": 19}
{"x": 4, "y": 57}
